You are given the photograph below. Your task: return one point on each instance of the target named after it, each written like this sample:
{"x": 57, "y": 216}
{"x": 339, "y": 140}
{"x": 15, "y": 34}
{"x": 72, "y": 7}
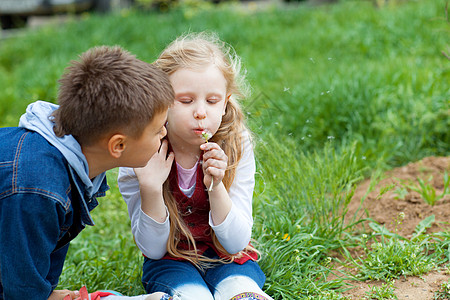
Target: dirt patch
{"x": 385, "y": 209}
{"x": 409, "y": 288}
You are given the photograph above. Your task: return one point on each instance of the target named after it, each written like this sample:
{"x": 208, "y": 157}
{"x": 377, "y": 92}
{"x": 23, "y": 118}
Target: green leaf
{"x": 423, "y": 225}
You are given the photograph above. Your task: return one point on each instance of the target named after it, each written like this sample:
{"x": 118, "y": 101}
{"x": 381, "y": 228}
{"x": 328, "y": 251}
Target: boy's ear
{"x": 116, "y": 145}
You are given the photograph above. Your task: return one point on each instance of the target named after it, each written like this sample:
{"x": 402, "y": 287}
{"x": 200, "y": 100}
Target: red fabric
{"x": 98, "y": 295}
{"x": 84, "y": 295}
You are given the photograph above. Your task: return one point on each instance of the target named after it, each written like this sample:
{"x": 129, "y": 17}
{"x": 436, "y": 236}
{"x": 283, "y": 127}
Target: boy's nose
{"x": 164, "y": 132}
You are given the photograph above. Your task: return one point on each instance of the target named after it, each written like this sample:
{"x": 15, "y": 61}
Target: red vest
{"x": 195, "y": 214}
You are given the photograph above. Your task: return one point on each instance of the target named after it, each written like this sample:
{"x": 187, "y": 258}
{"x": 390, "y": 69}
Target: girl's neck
{"x": 186, "y": 155}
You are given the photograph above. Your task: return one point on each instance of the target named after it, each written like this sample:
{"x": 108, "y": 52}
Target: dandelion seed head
{"x": 206, "y": 135}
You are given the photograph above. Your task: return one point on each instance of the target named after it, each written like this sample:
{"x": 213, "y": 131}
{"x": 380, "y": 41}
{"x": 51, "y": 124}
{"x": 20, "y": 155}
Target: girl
{"x": 191, "y": 206}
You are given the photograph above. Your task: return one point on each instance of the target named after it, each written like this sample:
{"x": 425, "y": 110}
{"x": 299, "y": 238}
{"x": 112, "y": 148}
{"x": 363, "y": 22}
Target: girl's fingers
{"x": 216, "y": 155}
{"x": 216, "y": 173}
{"x": 164, "y": 147}
{"x": 215, "y": 163}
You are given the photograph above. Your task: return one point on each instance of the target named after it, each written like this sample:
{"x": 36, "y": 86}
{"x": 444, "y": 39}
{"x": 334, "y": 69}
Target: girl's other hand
{"x": 215, "y": 162}
{"x": 60, "y": 294}
{"x": 153, "y": 175}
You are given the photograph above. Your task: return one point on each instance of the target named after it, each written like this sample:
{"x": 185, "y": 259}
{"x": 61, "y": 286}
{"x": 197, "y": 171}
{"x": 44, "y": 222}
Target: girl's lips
{"x": 199, "y": 131}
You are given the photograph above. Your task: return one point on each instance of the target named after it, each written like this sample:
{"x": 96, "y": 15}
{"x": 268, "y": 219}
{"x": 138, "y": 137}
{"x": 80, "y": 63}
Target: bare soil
{"x": 385, "y": 209}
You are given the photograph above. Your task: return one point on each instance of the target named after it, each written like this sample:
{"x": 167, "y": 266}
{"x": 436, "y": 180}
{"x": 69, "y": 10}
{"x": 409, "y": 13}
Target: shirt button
{"x": 191, "y": 224}
{"x": 189, "y": 210}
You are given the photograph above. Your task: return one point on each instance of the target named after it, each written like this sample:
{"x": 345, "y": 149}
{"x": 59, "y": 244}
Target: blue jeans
{"x": 183, "y": 279}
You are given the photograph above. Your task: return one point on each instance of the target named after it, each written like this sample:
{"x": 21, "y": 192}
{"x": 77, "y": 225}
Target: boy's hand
{"x": 153, "y": 175}
{"x": 60, "y": 294}
{"x": 215, "y": 162}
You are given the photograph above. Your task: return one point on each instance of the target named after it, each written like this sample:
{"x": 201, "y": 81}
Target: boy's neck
{"x": 95, "y": 158}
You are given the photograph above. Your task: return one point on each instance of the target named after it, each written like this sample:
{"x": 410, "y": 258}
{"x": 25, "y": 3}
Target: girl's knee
{"x": 192, "y": 292}
{"x": 239, "y": 287}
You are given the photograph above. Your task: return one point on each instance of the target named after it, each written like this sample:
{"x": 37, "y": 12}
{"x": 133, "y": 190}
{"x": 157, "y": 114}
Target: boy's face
{"x": 140, "y": 150}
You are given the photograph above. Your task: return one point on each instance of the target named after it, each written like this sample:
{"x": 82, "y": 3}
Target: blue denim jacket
{"x": 43, "y": 206}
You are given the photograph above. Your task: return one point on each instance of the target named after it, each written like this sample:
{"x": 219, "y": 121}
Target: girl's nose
{"x": 200, "y": 112}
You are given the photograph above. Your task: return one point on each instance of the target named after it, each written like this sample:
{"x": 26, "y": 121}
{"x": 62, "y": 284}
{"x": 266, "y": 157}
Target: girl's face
{"x": 200, "y": 102}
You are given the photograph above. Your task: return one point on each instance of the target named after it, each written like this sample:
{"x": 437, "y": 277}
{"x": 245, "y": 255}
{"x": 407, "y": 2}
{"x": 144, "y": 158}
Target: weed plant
{"x": 427, "y": 191}
{"x": 389, "y": 255}
{"x": 444, "y": 292}
{"x": 385, "y": 291}
{"x": 340, "y": 92}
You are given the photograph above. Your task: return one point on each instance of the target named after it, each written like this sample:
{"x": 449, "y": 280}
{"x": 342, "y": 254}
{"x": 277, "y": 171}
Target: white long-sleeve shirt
{"x": 233, "y": 233}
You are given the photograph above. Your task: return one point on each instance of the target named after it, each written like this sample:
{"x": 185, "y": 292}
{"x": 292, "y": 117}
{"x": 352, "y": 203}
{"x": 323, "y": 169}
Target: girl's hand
{"x": 215, "y": 162}
{"x": 153, "y": 175}
{"x": 60, "y": 294}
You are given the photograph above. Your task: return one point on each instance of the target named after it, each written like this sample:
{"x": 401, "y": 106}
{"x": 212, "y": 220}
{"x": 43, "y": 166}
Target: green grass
{"x": 340, "y": 92}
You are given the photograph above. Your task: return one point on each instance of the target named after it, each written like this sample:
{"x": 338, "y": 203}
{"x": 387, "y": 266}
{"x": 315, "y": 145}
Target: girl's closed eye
{"x": 185, "y": 100}
{"x": 213, "y": 100}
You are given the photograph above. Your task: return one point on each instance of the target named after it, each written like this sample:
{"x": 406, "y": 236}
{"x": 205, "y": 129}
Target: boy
{"x": 111, "y": 113}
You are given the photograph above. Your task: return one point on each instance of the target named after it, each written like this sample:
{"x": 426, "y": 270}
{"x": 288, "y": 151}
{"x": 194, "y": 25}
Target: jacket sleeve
{"x": 150, "y": 236}
{"x": 235, "y": 231}
{"x": 29, "y": 231}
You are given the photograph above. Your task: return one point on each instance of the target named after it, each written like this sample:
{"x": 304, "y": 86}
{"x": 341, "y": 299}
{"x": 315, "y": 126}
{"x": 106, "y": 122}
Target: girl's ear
{"x": 116, "y": 145}
{"x": 226, "y": 102}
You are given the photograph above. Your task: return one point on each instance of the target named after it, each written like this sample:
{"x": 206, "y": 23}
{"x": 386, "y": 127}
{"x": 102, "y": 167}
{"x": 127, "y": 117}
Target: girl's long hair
{"x": 197, "y": 51}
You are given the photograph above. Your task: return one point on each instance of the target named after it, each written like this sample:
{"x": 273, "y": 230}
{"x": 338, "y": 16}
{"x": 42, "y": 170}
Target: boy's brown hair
{"x": 109, "y": 91}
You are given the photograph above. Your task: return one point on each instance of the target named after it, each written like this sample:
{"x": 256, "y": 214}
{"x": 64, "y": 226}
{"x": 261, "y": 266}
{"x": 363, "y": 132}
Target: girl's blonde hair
{"x": 198, "y": 51}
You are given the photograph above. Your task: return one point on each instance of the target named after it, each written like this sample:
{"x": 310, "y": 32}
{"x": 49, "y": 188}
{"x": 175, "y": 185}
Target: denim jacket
{"x": 44, "y": 204}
